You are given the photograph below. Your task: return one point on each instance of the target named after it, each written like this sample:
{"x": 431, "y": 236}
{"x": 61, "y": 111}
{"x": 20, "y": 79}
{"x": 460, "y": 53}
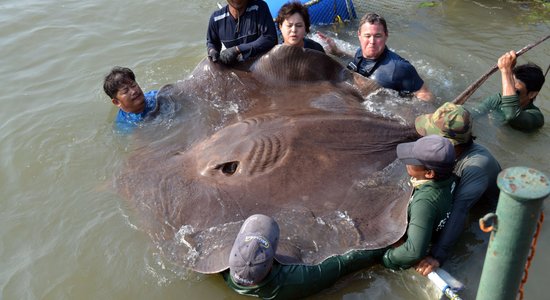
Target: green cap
{"x": 449, "y": 120}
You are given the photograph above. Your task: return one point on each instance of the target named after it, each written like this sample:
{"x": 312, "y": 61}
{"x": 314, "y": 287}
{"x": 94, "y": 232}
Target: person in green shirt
{"x": 520, "y": 86}
{"x": 429, "y": 162}
{"x": 475, "y": 168}
{"x": 253, "y": 270}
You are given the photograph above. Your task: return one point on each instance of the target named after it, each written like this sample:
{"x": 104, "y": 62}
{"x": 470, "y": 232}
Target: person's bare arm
{"x": 505, "y": 64}
{"x": 332, "y": 48}
{"x": 424, "y": 93}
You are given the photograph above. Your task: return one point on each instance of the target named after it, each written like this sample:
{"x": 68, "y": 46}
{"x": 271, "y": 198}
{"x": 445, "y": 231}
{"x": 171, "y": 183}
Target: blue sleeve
{"x": 212, "y": 38}
{"x": 472, "y": 185}
{"x": 406, "y": 74}
{"x": 267, "y": 31}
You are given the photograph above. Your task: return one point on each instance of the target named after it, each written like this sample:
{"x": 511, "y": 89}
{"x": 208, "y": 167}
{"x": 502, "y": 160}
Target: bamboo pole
{"x": 464, "y": 96}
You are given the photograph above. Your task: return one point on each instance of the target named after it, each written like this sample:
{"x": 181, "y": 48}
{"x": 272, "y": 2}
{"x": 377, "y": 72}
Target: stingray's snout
{"x": 228, "y": 168}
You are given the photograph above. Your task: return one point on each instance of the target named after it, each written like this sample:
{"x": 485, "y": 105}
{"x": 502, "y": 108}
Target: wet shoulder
{"x": 477, "y": 159}
{"x": 150, "y": 102}
{"x": 391, "y": 56}
{"x": 220, "y": 14}
{"x": 435, "y": 192}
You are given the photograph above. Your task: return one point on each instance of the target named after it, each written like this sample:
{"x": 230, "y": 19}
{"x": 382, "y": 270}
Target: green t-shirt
{"x": 507, "y": 110}
{"x": 428, "y": 210}
{"x": 299, "y": 281}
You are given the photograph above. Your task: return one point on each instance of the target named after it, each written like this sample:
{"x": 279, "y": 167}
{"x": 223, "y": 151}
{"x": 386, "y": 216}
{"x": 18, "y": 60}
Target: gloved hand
{"x": 229, "y": 56}
{"x": 213, "y": 55}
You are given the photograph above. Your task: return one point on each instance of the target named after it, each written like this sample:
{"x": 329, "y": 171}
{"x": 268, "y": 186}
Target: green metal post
{"x": 522, "y": 191}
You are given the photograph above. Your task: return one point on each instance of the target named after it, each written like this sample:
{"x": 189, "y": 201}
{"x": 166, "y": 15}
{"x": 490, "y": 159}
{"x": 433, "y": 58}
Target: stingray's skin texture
{"x": 286, "y": 136}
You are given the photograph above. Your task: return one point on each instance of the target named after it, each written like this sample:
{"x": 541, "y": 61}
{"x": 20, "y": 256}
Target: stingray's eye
{"x": 228, "y": 168}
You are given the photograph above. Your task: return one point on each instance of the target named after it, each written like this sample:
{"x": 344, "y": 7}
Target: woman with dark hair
{"x": 293, "y": 22}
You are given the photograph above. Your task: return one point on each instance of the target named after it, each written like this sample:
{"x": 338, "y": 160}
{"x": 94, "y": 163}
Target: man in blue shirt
{"x": 373, "y": 59}
{"x": 240, "y": 30}
{"x": 121, "y": 86}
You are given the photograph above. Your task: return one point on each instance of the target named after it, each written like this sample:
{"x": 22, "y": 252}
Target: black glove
{"x": 229, "y": 56}
{"x": 213, "y": 55}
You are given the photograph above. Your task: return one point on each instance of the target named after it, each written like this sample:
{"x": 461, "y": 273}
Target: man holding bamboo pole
{"x": 520, "y": 87}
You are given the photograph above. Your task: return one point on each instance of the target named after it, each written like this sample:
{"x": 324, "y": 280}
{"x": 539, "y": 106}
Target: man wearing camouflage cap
{"x": 475, "y": 167}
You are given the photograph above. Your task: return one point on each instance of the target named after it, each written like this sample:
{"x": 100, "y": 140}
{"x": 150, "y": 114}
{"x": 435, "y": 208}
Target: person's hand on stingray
{"x": 427, "y": 265}
{"x": 213, "y": 55}
{"x": 230, "y": 56}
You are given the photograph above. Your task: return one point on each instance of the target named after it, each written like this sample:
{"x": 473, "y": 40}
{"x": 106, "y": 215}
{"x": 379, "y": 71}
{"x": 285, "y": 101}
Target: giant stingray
{"x": 288, "y": 135}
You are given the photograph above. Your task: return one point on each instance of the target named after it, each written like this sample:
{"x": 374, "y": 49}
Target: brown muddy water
{"x": 65, "y": 235}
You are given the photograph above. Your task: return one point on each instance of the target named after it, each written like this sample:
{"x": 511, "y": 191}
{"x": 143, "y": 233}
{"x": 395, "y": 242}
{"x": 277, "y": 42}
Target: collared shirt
{"x": 390, "y": 70}
{"x": 254, "y": 32}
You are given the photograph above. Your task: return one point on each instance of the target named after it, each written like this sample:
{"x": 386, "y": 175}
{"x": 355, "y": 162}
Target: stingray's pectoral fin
{"x": 365, "y": 85}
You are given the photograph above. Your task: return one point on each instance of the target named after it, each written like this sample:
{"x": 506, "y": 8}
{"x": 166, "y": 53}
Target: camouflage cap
{"x": 449, "y": 120}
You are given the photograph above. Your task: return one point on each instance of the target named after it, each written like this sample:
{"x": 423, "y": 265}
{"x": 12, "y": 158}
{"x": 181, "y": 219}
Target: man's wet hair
{"x": 291, "y": 8}
{"x": 373, "y": 18}
{"x": 118, "y": 77}
{"x": 531, "y": 75}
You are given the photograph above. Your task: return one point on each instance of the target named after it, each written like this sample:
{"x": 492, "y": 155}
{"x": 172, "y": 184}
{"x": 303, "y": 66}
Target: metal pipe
{"x": 522, "y": 191}
{"x": 444, "y": 285}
